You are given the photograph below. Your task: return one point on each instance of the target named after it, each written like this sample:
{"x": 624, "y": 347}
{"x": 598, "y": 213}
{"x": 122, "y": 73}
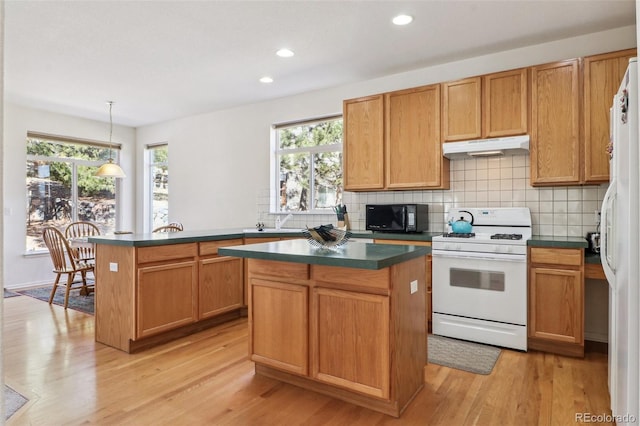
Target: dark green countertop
{"x": 164, "y": 238}
{"x": 150, "y": 239}
{"x": 592, "y": 257}
{"x": 557, "y": 242}
{"x": 351, "y": 255}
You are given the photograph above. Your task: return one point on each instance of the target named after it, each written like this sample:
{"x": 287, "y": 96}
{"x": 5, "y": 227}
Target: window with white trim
{"x": 158, "y": 179}
{"x": 61, "y": 187}
{"x": 308, "y": 165}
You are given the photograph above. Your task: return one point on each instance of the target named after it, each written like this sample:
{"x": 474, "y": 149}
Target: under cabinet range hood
{"x": 511, "y": 145}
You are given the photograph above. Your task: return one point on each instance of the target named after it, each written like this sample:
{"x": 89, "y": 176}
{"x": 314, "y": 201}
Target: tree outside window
{"x": 309, "y": 165}
{"x": 61, "y": 188}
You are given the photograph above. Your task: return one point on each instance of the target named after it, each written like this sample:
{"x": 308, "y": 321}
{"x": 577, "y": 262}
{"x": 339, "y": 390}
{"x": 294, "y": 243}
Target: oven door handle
{"x": 479, "y": 256}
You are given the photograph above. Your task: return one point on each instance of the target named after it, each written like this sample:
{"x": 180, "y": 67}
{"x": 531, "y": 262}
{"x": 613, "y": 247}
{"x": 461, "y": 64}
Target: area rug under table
{"x": 8, "y": 293}
{"x": 76, "y": 301}
{"x": 461, "y": 355}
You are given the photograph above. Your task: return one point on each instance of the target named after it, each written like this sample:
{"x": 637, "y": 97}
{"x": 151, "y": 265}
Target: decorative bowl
{"x": 327, "y": 236}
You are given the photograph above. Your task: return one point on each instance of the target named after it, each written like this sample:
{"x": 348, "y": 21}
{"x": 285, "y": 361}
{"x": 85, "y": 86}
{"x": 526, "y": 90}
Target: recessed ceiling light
{"x": 285, "y": 53}
{"x": 402, "y": 19}
{"x": 266, "y": 79}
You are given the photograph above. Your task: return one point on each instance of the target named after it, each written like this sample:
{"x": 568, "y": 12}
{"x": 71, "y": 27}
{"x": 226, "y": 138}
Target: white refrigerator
{"x": 620, "y": 254}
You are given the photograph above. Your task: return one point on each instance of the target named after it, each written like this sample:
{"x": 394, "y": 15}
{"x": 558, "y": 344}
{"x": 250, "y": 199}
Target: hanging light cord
{"x": 110, "y": 169}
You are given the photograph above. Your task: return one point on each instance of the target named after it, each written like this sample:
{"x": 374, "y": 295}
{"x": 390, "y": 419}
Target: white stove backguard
{"x": 494, "y": 220}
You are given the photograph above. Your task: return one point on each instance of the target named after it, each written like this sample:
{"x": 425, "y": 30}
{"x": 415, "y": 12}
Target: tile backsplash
{"x": 482, "y": 182}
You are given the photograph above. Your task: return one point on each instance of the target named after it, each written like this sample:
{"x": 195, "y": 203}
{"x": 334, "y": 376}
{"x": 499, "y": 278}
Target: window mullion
{"x": 312, "y": 176}
{"x": 74, "y": 191}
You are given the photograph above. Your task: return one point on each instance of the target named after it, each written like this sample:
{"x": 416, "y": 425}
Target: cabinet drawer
{"x": 209, "y": 248}
{"x": 167, "y": 252}
{"x": 555, "y": 256}
{"x": 335, "y": 276}
{"x": 594, "y": 271}
{"x": 279, "y": 269}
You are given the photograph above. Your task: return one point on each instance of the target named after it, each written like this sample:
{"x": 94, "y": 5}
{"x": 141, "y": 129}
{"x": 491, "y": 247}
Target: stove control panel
{"x": 479, "y": 247}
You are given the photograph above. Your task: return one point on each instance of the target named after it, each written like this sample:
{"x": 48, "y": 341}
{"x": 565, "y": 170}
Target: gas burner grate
{"x": 506, "y": 237}
{"x": 459, "y": 235}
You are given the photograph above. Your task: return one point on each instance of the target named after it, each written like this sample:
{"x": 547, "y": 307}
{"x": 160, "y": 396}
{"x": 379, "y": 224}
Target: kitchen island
{"x": 347, "y": 323}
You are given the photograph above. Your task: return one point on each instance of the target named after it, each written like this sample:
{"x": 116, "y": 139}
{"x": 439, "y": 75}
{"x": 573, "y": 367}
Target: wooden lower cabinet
{"x": 279, "y": 325}
{"x": 556, "y": 301}
{"x": 166, "y": 297}
{"x": 220, "y": 286}
{"x": 357, "y": 335}
{"x": 351, "y": 340}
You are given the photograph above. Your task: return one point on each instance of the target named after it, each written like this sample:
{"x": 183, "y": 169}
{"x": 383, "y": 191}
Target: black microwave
{"x": 397, "y": 217}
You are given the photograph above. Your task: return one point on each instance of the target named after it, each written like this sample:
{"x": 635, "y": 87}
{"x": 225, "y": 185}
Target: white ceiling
{"x": 160, "y": 60}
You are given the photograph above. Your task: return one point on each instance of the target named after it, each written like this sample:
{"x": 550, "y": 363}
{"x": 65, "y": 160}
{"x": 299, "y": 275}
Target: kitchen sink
{"x": 273, "y": 230}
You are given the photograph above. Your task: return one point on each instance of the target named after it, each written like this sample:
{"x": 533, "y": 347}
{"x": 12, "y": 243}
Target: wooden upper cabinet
{"x": 489, "y": 106}
{"x": 555, "y": 149}
{"x": 461, "y": 100}
{"x": 363, "y": 143}
{"x": 505, "y": 106}
{"x": 602, "y": 77}
{"x": 412, "y": 139}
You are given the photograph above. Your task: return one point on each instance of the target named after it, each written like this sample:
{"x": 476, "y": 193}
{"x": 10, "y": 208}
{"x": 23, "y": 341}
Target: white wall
{"x": 20, "y": 269}
{"x": 219, "y": 162}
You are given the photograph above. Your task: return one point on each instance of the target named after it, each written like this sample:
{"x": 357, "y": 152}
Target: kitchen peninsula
{"x": 347, "y": 323}
{"x": 152, "y": 288}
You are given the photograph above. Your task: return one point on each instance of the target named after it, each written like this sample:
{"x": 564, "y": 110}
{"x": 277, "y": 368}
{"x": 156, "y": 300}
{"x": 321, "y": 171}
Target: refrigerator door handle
{"x": 607, "y": 257}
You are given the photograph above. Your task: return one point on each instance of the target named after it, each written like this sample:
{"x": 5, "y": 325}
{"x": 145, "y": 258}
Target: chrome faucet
{"x": 280, "y": 222}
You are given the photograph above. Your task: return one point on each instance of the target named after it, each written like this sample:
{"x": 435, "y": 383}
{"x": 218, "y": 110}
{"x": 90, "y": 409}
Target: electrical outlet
{"x": 113, "y": 266}
{"x": 414, "y": 286}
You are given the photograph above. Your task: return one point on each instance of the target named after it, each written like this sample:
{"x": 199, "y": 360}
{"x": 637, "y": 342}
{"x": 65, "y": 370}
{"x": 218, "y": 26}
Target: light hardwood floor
{"x": 52, "y": 358}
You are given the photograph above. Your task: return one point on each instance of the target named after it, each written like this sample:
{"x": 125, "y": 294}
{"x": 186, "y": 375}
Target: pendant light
{"x": 110, "y": 169}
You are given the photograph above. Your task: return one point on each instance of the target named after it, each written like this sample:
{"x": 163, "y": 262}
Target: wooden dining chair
{"x": 64, "y": 262}
{"x": 177, "y": 224}
{"x": 76, "y": 230}
{"x": 167, "y": 228}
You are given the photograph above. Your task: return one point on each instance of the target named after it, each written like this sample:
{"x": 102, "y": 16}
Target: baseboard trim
{"x": 596, "y": 337}
{"x": 596, "y": 347}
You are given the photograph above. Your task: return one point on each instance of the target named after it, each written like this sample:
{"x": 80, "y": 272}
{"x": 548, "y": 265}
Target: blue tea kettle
{"x": 462, "y": 226}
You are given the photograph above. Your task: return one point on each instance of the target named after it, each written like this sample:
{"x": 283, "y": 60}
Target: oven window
{"x": 480, "y": 280}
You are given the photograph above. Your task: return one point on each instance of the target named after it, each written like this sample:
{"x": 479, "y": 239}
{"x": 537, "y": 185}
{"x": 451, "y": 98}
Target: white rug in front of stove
{"x": 462, "y": 355}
